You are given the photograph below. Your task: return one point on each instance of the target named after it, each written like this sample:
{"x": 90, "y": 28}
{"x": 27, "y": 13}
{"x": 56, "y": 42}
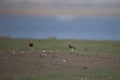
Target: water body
{"x": 61, "y": 27}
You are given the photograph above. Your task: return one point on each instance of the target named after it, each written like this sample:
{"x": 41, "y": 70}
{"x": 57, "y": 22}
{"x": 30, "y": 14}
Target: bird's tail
{"x": 74, "y": 47}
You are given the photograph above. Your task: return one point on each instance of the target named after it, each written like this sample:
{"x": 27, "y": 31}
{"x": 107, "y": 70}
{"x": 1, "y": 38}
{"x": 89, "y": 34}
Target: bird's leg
{"x": 31, "y": 48}
{"x": 72, "y": 50}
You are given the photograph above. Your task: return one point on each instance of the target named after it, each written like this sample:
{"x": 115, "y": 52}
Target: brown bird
{"x": 70, "y": 45}
{"x": 31, "y": 45}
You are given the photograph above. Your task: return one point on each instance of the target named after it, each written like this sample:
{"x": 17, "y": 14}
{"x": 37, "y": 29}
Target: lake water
{"x": 62, "y": 27}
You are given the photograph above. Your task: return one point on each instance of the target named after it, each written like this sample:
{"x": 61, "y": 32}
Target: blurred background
{"x": 62, "y": 19}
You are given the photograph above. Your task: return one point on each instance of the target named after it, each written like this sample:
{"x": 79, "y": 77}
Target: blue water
{"x": 80, "y": 27}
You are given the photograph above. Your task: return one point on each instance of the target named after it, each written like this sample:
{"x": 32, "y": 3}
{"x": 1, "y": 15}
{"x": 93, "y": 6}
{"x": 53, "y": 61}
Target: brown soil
{"x": 35, "y": 63}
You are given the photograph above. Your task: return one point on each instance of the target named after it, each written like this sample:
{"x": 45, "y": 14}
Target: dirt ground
{"x": 35, "y": 63}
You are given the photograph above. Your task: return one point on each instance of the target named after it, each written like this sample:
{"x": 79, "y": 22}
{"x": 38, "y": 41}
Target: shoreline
{"x": 61, "y": 11}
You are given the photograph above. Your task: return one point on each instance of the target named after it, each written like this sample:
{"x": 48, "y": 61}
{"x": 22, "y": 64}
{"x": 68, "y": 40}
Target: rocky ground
{"x": 35, "y": 63}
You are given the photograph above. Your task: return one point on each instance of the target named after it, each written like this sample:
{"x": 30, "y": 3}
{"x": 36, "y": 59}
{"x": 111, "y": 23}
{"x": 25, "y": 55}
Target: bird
{"x": 71, "y": 46}
{"x": 31, "y": 45}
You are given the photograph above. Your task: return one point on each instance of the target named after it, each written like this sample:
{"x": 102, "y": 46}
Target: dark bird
{"x": 31, "y": 45}
{"x": 70, "y": 45}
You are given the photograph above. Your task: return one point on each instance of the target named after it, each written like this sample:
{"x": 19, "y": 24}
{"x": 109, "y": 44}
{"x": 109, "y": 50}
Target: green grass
{"x": 83, "y": 46}
{"x": 90, "y": 75}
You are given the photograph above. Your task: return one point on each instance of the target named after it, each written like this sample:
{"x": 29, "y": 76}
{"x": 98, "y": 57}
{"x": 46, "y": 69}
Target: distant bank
{"x": 88, "y": 11}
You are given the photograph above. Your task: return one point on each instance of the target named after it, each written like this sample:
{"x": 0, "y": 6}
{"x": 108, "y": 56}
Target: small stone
{"x": 64, "y": 60}
{"x": 44, "y": 54}
{"x": 14, "y": 52}
{"x": 22, "y": 51}
{"x": 43, "y": 51}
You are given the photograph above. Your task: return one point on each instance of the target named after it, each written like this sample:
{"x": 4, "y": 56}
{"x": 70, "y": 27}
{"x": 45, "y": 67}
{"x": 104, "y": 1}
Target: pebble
{"x": 14, "y": 52}
{"x": 43, "y": 51}
{"x": 22, "y": 51}
{"x": 64, "y": 60}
